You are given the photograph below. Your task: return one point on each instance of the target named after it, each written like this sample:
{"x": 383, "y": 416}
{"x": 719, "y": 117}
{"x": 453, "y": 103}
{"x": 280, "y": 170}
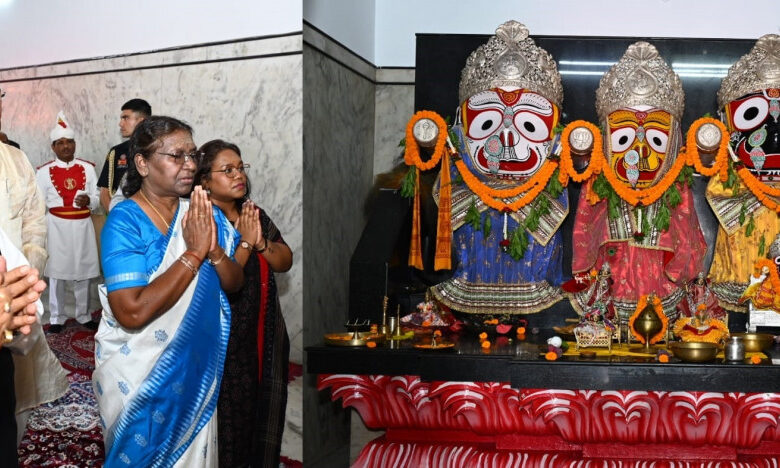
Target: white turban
{"x": 62, "y": 129}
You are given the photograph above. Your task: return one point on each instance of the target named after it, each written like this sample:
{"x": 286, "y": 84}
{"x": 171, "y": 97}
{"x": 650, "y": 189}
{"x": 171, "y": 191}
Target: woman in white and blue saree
{"x": 161, "y": 344}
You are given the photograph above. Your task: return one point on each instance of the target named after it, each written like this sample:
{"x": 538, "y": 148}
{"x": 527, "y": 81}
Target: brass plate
{"x": 347, "y": 339}
{"x": 756, "y": 342}
{"x": 692, "y": 351}
{"x": 442, "y": 345}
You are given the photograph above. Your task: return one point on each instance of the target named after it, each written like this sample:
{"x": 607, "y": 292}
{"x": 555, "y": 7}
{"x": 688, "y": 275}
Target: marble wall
{"x": 248, "y": 92}
{"x": 394, "y": 105}
{"x": 338, "y": 142}
{"x": 353, "y": 122}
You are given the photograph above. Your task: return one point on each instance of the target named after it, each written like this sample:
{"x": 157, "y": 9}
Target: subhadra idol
{"x": 746, "y": 203}
{"x": 507, "y": 201}
{"x": 636, "y": 210}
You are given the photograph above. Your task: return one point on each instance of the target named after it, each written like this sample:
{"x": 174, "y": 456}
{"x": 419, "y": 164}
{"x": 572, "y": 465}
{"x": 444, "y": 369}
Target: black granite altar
{"x": 521, "y": 363}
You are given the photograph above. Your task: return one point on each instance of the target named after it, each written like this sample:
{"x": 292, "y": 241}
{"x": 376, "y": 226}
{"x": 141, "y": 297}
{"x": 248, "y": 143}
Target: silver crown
{"x": 511, "y": 58}
{"x": 640, "y": 77}
{"x": 774, "y": 248}
{"x": 758, "y": 69}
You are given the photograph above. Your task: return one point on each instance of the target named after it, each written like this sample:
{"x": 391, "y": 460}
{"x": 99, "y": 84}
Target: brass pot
{"x": 756, "y": 342}
{"x": 694, "y": 351}
{"x": 647, "y": 324}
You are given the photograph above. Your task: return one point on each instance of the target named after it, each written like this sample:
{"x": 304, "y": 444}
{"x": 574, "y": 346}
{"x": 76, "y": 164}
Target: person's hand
{"x": 19, "y": 289}
{"x": 81, "y": 201}
{"x": 248, "y": 223}
{"x": 198, "y": 225}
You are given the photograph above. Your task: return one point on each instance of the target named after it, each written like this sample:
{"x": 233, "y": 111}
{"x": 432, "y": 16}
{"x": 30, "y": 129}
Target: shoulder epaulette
{"x": 44, "y": 164}
{"x": 88, "y": 162}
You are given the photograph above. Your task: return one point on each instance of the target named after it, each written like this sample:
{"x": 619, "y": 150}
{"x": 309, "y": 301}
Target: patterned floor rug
{"x": 66, "y": 433}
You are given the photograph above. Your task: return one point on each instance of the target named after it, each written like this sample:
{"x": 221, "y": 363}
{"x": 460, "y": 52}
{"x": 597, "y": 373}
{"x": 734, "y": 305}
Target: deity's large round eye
{"x": 657, "y": 139}
{"x": 777, "y": 261}
{"x": 622, "y": 139}
{"x": 531, "y": 126}
{"x": 484, "y": 124}
{"x": 751, "y": 113}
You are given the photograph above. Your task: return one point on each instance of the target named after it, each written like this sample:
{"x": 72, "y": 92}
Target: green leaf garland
{"x": 472, "y": 216}
{"x": 408, "y": 183}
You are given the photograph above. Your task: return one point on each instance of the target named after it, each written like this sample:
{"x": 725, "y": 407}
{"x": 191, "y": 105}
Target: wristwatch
{"x": 245, "y": 245}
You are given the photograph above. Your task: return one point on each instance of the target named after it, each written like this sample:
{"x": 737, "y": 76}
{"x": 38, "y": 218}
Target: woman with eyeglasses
{"x": 161, "y": 344}
{"x": 253, "y": 396}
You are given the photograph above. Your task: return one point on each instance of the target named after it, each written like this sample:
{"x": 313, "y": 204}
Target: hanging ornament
{"x": 509, "y": 116}
{"x": 774, "y": 109}
{"x": 758, "y": 157}
{"x": 505, "y": 239}
{"x": 640, "y": 133}
{"x": 758, "y": 137}
{"x": 639, "y": 233}
{"x": 631, "y": 160}
{"x": 493, "y": 149}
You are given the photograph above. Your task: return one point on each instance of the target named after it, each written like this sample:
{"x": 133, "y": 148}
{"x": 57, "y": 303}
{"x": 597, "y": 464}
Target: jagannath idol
{"x": 635, "y": 210}
{"x": 506, "y": 200}
{"x": 746, "y": 201}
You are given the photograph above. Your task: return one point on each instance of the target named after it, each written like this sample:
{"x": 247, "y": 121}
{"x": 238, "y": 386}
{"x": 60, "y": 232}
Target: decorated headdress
{"x": 61, "y": 129}
{"x": 640, "y": 77}
{"x": 756, "y": 70}
{"x": 774, "y": 248}
{"x": 511, "y": 58}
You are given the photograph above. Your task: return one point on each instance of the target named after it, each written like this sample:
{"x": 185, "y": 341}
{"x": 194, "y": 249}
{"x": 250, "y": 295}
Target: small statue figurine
{"x": 701, "y": 318}
{"x": 600, "y": 296}
{"x": 764, "y": 288}
{"x": 697, "y": 295}
{"x": 597, "y": 325}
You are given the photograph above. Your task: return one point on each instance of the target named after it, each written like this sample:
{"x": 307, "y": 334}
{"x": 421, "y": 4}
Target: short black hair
{"x": 138, "y": 105}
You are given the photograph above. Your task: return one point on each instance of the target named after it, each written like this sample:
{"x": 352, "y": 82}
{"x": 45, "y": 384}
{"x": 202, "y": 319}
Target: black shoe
{"x": 54, "y": 328}
{"x": 91, "y": 325}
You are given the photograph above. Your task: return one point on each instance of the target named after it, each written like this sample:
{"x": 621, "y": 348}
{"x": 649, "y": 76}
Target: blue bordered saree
{"x": 157, "y": 387}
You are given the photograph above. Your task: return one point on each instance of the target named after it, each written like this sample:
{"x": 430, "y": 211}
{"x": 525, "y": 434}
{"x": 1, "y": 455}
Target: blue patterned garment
{"x": 157, "y": 386}
{"x": 488, "y": 280}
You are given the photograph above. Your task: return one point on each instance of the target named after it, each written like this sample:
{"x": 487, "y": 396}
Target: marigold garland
{"x": 412, "y": 150}
{"x": 714, "y": 332}
{"x": 598, "y": 164}
{"x": 761, "y": 191}
{"x": 489, "y": 196}
{"x": 720, "y": 165}
{"x": 659, "y": 310}
{"x": 442, "y": 259}
{"x": 597, "y": 160}
{"x": 649, "y": 195}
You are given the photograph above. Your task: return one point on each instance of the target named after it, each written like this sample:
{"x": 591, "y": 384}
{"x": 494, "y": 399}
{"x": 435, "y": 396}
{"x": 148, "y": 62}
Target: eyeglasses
{"x": 181, "y": 158}
{"x": 233, "y": 172}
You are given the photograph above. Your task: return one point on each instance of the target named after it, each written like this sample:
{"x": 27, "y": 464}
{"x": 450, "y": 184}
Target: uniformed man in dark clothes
{"x": 133, "y": 112}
